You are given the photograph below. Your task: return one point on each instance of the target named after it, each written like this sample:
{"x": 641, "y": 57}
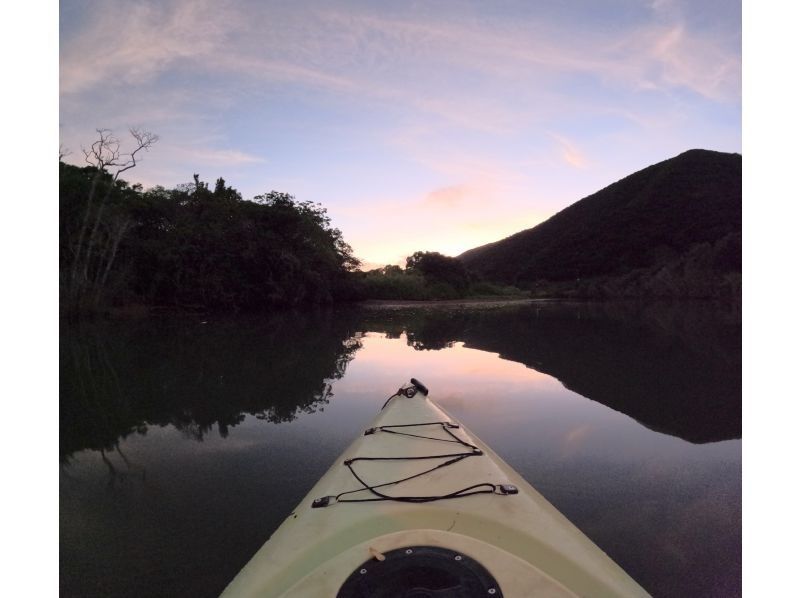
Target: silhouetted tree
{"x": 94, "y": 248}
{"x": 438, "y": 268}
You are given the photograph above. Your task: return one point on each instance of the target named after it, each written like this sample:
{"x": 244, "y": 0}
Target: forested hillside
{"x": 672, "y": 229}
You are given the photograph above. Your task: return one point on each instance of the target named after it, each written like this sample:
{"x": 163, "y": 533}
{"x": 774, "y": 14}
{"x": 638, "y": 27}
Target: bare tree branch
{"x": 104, "y": 155}
{"x": 104, "y": 151}
{"x": 144, "y": 140}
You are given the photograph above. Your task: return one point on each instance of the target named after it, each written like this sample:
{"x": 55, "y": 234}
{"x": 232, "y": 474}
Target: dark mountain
{"x": 672, "y": 229}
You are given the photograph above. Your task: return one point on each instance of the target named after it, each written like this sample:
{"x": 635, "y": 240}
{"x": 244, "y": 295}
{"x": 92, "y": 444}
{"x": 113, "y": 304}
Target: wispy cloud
{"x": 477, "y": 194}
{"x": 448, "y": 197}
{"x": 395, "y": 59}
{"x": 217, "y": 157}
{"x": 569, "y": 152}
{"x": 662, "y": 55}
{"x": 133, "y": 42}
{"x": 673, "y": 57}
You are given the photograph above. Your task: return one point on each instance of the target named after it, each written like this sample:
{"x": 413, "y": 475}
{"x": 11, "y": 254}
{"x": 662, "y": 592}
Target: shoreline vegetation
{"x": 125, "y": 250}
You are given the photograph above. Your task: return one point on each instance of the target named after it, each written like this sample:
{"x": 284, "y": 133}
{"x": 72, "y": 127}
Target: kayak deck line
{"x": 446, "y": 426}
{"x": 517, "y": 545}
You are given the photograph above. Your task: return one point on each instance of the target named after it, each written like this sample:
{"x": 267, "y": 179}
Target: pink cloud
{"x": 569, "y": 152}
{"x": 448, "y": 197}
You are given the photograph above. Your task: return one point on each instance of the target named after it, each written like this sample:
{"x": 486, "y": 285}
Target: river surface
{"x": 185, "y": 441}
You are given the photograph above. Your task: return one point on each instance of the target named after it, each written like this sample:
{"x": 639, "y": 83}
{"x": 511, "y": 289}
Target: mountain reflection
{"x": 118, "y": 378}
{"x": 675, "y": 368}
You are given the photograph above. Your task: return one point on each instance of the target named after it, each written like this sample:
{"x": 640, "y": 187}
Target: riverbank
{"x": 475, "y": 302}
{"x": 138, "y": 310}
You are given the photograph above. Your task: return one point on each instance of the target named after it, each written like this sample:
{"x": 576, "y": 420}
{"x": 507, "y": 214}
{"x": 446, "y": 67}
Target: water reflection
{"x": 675, "y": 368}
{"x": 146, "y": 488}
{"x": 118, "y": 378}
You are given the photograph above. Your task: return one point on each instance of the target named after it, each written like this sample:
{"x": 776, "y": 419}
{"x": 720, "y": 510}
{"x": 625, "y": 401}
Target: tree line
{"x": 198, "y": 246}
{"x": 190, "y": 246}
{"x": 428, "y": 275}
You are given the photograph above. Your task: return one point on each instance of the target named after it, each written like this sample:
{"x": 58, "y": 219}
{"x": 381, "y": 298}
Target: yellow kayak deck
{"x": 525, "y": 544}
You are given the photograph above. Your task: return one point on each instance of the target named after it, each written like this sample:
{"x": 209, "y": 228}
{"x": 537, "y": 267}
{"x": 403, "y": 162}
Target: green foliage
{"x": 428, "y": 276}
{"x": 705, "y": 271}
{"x": 193, "y": 246}
{"x": 488, "y": 289}
{"x": 388, "y": 283}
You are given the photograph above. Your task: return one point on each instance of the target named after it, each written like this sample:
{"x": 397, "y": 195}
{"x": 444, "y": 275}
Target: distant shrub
{"x": 484, "y": 288}
{"x": 377, "y": 285}
{"x": 429, "y": 276}
{"x": 443, "y": 290}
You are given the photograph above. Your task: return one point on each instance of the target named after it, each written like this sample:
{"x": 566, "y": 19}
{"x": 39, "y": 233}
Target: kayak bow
{"x": 418, "y": 506}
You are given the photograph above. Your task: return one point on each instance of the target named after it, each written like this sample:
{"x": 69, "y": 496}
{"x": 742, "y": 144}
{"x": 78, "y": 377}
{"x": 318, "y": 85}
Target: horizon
{"x": 433, "y": 128}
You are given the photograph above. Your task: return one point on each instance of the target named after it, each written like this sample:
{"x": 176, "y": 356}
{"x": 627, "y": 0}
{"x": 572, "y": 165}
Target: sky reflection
{"x": 508, "y": 400}
{"x": 171, "y": 500}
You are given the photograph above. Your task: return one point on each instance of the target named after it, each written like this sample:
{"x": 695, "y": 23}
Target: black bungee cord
{"x": 452, "y": 458}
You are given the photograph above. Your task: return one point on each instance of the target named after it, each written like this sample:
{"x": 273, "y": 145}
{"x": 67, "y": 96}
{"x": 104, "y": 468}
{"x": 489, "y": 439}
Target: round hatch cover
{"x": 421, "y": 572}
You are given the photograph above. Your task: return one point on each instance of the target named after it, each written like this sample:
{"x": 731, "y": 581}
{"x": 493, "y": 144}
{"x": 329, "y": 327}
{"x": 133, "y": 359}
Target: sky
{"x": 435, "y": 126}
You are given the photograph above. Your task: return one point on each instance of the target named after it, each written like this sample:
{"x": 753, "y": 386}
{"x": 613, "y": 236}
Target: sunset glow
{"x": 394, "y": 358}
{"x": 423, "y": 126}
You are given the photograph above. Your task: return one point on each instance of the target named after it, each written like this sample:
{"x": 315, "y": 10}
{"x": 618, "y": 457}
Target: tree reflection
{"x": 674, "y": 368}
{"x": 119, "y": 378}
{"x": 116, "y": 476}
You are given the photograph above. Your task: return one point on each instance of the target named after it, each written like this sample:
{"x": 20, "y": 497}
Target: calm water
{"x": 184, "y": 442}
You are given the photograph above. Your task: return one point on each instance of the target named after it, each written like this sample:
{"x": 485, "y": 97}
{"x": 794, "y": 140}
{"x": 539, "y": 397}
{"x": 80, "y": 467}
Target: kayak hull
{"x": 521, "y": 539}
